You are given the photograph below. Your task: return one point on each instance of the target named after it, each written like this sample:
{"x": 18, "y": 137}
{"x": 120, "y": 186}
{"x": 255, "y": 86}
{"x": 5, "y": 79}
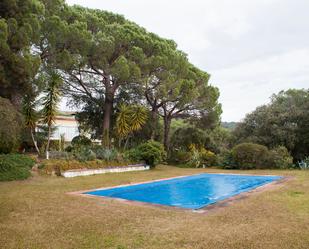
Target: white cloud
{"x": 245, "y": 86}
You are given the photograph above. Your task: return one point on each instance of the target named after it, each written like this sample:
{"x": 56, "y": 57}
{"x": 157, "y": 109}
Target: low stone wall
{"x": 87, "y": 172}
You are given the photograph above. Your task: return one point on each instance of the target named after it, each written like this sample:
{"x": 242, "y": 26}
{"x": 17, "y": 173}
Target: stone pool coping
{"x": 207, "y": 209}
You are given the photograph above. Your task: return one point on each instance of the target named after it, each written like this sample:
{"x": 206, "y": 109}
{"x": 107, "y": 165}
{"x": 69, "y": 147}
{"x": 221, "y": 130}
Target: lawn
{"x": 38, "y": 213}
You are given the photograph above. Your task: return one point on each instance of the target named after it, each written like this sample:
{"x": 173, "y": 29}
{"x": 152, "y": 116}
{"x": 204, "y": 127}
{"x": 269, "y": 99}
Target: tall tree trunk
{"x": 153, "y": 122}
{"x": 108, "y": 110}
{"x": 48, "y": 142}
{"x": 34, "y": 141}
{"x": 167, "y": 126}
{"x": 126, "y": 143}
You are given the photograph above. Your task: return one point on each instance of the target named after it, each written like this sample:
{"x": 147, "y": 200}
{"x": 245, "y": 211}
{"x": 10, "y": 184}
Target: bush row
{"x": 256, "y": 156}
{"x": 151, "y": 153}
{"x": 84, "y": 155}
{"x": 242, "y": 156}
{"x": 60, "y": 165}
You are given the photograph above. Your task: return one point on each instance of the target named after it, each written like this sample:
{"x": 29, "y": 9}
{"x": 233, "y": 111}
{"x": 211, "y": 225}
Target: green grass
{"x": 38, "y": 213}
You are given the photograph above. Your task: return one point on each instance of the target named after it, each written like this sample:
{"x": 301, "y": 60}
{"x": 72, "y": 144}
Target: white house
{"x": 66, "y": 124}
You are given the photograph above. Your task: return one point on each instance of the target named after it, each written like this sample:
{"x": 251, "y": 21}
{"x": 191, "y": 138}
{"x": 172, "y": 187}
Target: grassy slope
{"x": 37, "y": 213}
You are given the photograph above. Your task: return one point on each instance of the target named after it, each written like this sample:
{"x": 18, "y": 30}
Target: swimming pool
{"x": 191, "y": 192}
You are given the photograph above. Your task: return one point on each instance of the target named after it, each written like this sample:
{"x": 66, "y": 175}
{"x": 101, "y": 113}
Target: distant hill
{"x": 229, "y": 125}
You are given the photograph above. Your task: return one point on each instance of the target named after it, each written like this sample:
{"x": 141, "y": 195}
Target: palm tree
{"x": 50, "y": 103}
{"x": 31, "y": 116}
{"x": 130, "y": 118}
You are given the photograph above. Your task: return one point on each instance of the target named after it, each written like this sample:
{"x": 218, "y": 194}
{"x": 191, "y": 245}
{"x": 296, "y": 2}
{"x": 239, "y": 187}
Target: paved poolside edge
{"x": 207, "y": 209}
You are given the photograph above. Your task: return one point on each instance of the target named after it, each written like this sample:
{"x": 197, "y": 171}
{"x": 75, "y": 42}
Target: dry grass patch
{"x": 38, "y": 213}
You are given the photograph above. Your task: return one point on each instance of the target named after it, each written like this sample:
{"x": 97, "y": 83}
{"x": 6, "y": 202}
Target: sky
{"x": 252, "y": 49}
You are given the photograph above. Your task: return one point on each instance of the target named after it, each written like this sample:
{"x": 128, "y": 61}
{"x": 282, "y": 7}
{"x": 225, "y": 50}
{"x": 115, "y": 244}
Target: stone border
{"x": 204, "y": 210}
{"x": 87, "y": 172}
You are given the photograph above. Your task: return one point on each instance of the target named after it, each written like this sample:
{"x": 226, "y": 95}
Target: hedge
{"x": 15, "y": 167}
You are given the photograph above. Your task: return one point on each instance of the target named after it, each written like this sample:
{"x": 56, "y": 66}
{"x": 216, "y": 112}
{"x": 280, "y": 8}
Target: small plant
{"x": 84, "y": 153}
{"x": 281, "y": 158}
{"x": 195, "y": 160}
{"x": 69, "y": 148}
{"x": 180, "y": 156}
{"x": 61, "y": 142}
{"x": 31, "y": 116}
{"x": 81, "y": 141}
{"x": 151, "y": 152}
{"x": 130, "y": 119}
{"x": 208, "y": 158}
{"x": 304, "y": 164}
{"x": 201, "y": 157}
{"x": 226, "y": 161}
{"x": 105, "y": 154}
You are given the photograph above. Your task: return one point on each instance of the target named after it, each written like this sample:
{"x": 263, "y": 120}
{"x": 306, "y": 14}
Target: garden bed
{"x": 72, "y": 168}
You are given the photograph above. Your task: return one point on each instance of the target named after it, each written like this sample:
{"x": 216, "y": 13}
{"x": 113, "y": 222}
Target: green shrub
{"x": 54, "y": 145}
{"x": 180, "y": 156}
{"x": 57, "y": 145}
{"x": 15, "y": 167}
{"x": 195, "y": 159}
{"x": 133, "y": 155}
{"x": 105, "y": 154}
{"x": 10, "y": 126}
{"x": 151, "y": 152}
{"x": 255, "y": 156}
{"x": 226, "y": 161}
{"x": 208, "y": 158}
{"x": 87, "y": 153}
{"x": 69, "y": 148}
{"x": 281, "y": 158}
{"x": 251, "y": 156}
{"x": 201, "y": 157}
{"x": 81, "y": 141}
{"x": 197, "y": 156}
{"x": 84, "y": 153}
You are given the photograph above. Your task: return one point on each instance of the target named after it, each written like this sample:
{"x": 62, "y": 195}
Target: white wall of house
{"x": 68, "y": 131}
{"x": 66, "y": 125}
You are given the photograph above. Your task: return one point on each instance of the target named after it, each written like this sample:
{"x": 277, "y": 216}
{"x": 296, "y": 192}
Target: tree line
{"x": 101, "y": 62}
{"x": 128, "y": 85}
{"x": 282, "y": 122}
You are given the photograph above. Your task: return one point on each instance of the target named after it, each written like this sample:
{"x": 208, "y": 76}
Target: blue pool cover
{"x": 192, "y": 192}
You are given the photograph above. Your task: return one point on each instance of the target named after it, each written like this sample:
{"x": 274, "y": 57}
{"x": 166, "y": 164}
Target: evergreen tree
{"x": 20, "y": 23}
